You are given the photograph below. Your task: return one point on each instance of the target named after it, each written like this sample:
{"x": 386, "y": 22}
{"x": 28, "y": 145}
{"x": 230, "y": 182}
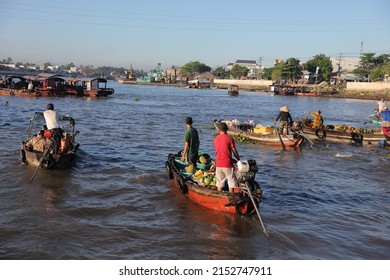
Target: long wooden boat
{"x": 283, "y": 90}
{"x": 329, "y": 134}
{"x": 268, "y": 138}
{"x": 238, "y": 202}
{"x": 18, "y": 93}
{"x": 44, "y": 155}
{"x": 46, "y": 84}
{"x": 89, "y": 87}
{"x": 15, "y": 85}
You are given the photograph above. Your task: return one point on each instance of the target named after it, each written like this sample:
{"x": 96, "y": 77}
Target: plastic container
{"x": 243, "y": 166}
{"x": 203, "y": 166}
{"x": 263, "y": 129}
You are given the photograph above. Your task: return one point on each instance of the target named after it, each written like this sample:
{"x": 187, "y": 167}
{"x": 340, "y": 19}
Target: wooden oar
{"x": 280, "y": 138}
{"x": 304, "y": 136}
{"x": 257, "y": 210}
{"x": 370, "y": 116}
{"x": 40, "y": 162}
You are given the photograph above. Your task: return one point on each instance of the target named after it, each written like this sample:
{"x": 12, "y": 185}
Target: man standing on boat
{"x": 191, "y": 146}
{"x": 52, "y": 124}
{"x": 224, "y": 147}
{"x": 285, "y": 120}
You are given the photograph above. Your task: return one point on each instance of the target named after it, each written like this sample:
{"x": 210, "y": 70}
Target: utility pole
{"x": 339, "y": 68}
{"x": 260, "y": 60}
{"x": 361, "y": 48}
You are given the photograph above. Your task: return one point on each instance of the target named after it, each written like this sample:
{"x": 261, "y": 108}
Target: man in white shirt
{"x": 380, "y": 106}
{"x": 52, "y": 124}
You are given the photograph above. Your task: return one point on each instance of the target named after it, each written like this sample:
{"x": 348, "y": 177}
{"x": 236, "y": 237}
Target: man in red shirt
{"x": 224, "y": 147}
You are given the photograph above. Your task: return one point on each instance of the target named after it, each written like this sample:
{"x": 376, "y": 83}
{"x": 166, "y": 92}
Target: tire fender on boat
{"x": 357, "y": 137}
{"x": 323, "y": 136}
{"x": 48, "y": 163}
{"x": 181, "y": 182}
{"x": 22, "y": 153}
{"x": 246, "y": 203}
{"x": 169, "y": 171}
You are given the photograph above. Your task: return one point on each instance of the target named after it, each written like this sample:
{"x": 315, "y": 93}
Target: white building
{"x": 347, "y": 64}
{"x": 251, "y": 65}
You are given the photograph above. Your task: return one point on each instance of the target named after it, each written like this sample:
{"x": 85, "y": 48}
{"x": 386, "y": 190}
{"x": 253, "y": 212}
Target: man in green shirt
{"x": 191, "y": 146}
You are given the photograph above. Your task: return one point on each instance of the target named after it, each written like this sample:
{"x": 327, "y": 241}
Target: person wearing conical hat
{"x": 285, "y": 120}
{"x": 318, "y": 121}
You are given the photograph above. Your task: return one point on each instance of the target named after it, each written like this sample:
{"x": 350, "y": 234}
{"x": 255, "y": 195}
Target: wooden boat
{"x": 46, "y": 156}
{"x": 331, "y": 134}
{"x": 89, "y": 87}
{"x": 199, "y": 84}
{"x": 239, "y": 202}
{"x": 267, "y": 138}
{"x": 283, "y": 89}
{"x": 233, "y": 90}
{"x": 47, "y": 84}
{"x": 15, "y": 85}
{"x": 18, "y": 93}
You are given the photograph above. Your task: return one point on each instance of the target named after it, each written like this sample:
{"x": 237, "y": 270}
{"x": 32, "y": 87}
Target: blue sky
{"x": 144, "y": 33}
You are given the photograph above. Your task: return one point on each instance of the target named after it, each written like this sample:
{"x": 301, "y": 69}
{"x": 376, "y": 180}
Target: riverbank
{"x": 331, "y": 91}
{"x": 366, "y": 95}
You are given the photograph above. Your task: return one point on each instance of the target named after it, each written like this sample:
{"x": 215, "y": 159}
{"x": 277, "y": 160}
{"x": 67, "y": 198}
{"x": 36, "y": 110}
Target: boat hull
{"x": 19, "y": 93}
{"x": 269, "y": 139}
{"x": 51, "y": 161}
{"x": 342, "y": 137}
{"x": 206, "y": 196}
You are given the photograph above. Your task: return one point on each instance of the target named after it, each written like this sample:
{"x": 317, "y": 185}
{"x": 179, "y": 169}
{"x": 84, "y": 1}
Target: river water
{"x": 117, "y": 201}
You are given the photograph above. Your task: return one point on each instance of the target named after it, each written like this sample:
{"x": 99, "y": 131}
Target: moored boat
{"x": 265, "y": 137}
{"x": 15, "y": 85}
{"x": 202, "y": 193}
{"x": 89, "y": 87}
{"x": 283, "y": 89}
{"x": 233, "y": 90}
{"x": 40, "y": 150}
{"x": 46, "y": 84}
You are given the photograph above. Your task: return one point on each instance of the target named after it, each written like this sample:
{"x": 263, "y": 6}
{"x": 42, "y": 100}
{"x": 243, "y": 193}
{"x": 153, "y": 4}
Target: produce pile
{"x": 350, "y": 129}
{"x": 206, "y": 178}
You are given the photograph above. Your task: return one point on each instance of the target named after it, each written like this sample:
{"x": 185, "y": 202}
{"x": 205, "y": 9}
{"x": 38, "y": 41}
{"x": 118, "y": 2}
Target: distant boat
{"x": 283, "y": 89}
{"x": 46, "y": 84}
{"x": 89, "y": 87}
{"x": 199, "y": 83}
{"x": 233, "y": 90}
{"x": 126, "y": 81}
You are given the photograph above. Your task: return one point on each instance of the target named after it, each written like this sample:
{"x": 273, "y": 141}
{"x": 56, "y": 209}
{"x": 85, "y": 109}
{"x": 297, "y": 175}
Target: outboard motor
{"x": 246, "y": 174}
{"x": 246, "y": 171}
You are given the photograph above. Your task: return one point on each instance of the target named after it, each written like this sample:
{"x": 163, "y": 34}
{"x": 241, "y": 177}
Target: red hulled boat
{"x": 202, "y": 193}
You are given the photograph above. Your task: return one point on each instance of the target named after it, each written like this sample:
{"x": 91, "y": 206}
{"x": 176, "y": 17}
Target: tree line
{"x": 370, "y": 68}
